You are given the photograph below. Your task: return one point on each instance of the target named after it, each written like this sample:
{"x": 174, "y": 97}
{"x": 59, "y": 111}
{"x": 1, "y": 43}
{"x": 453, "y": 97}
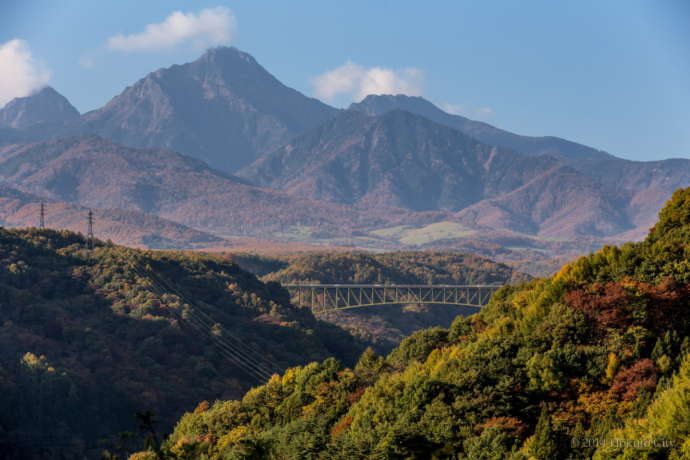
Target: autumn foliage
{"x": 600, "y": 351}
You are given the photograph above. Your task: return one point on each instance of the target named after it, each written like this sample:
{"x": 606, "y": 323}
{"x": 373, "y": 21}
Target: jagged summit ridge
{"x": 224, "y": 108}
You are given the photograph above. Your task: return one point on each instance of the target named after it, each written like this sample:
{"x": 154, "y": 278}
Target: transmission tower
{"x": 42, "y": 216}
{"x": 89, "y": 232}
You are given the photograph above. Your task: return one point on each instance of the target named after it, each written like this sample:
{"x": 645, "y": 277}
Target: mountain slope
{"x": 559, "y": 148}
{"x": 89, "y": 337}
{"x": 405, "y": 160}
{"x": 44, "y": 106}
{"x": 561, "y": 202}
{"x": 98, "y": 173}
{"x": 600, "y": 351}
{"x": 393, "y": 268}
{"x": 131, "y": 228}
{"x": 648, "y": 183}
{"x": 397, "y": 159}
{"x": 223, "y": 108}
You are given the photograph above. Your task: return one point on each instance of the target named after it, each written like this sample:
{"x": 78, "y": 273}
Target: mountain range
{"x": 406, "y": 160}
{"x": 562, "y": 149}
{"x": 223, "y": 108}
{"x": 220, "y": 146}
{"x": 99, "y": 173}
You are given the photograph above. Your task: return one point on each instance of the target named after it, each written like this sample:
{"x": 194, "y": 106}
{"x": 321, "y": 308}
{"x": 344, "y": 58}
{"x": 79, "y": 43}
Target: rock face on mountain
{"x": 44, "y": 106}
{"x": 224, "y": 108}
{"x": 397, "y": 159}
{"x": 484, "y": 132}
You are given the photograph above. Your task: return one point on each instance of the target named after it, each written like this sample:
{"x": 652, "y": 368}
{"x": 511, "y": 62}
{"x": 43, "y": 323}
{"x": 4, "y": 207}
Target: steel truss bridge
{"x": 328, "y": 297}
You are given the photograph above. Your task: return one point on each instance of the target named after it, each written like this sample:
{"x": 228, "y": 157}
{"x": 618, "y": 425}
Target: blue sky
{"x": 611, "y": 74}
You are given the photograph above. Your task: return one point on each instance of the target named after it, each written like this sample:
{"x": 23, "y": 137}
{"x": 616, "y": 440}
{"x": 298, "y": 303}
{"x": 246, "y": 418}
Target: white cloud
{"x": 356, "y": 81}
{"x": 477, "y": 113}
{"x": 211, "y": 26}
{"x": 21, "y": 74}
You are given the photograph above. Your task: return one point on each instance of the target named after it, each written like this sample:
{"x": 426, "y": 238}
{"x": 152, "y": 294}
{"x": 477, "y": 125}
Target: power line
{"x": 255, "y": 358}
{"x": 209, "y": 320}
{"x": 235, "y": 351}
{"x": 191, "y": 322}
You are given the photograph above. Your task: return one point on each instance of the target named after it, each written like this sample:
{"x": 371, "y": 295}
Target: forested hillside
{"x": 90, "y": 337}
{"x": 412, "y": 267}
{"x": 592, "y": 362}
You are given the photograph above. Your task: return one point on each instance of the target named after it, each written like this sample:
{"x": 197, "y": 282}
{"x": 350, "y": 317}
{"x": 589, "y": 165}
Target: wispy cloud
{"x": 356, "y": 81}
{"x": 21, "y": 74}
{"x": 211, "y": 26}
{"x": 87, "y": 62}
{"x": 477, "y": 113}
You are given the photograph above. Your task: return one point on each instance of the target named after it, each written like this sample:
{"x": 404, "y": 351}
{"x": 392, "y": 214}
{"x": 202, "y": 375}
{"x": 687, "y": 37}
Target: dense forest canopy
{"x": 592, "y": 362}
{"x": 89, "y": 337}
{"x": 394, "y": 268}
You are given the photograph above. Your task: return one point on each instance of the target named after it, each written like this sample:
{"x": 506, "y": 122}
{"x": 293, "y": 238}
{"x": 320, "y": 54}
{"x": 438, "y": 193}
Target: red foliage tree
{"x": 658, "y": 307}
{"x": 629, "y": 382}
{"x": 608, "y": 305}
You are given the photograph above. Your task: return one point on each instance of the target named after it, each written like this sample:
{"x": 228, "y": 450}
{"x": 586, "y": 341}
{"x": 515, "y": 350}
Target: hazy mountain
{"x": 133, "y": 228}
{"x": 99, "y": 173}
{"x": 562, "y": 202}
{"x": 223, "y": 108}
{"x": 397, "y": 159}
{"x": 484, "y": 132}
{"x": 388, "y": 160}
{"x": 402, "y": 159}
{"x": 648, "y": 184}
{"x": 44, "y": 106}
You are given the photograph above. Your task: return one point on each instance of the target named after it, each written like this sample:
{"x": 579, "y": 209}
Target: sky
{"x": 614, "y": 74}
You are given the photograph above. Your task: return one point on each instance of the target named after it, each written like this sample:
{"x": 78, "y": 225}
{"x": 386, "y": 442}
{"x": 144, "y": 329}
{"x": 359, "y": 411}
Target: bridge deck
{"x": 326, "y": 297}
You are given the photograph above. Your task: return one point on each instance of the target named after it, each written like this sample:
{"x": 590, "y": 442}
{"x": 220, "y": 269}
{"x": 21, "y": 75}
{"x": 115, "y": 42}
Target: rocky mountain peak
{"x": 223, "y": 108}
{"x": 226, "y": 54}
{"x": 43, "y": 106}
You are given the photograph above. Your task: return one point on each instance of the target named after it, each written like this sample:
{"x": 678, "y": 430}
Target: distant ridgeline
{"x": 410, "y": 267}
{"x": 90, "y": 337}
{"x": 590, "y": 363}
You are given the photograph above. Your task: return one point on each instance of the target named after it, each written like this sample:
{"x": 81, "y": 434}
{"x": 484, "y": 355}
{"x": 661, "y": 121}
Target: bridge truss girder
{"x": 328, "y": 297}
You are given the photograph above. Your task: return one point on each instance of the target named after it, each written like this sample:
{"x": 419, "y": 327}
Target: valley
{"x": 157, "y": 244}
{"x": 599, "y": 349}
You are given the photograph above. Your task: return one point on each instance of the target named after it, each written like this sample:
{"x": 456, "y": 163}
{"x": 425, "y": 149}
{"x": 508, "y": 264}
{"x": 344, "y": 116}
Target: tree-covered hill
{"x": 411, "y": 267}
{"x": 592, "y": 362}
{"x": 89, "y": 337}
